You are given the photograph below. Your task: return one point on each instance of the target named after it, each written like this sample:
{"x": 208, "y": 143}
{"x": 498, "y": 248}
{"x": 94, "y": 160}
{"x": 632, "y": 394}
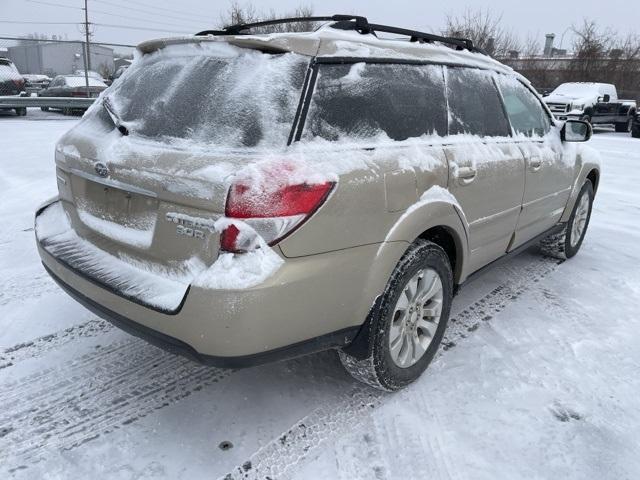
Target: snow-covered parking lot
{"x": 539, "y": 378}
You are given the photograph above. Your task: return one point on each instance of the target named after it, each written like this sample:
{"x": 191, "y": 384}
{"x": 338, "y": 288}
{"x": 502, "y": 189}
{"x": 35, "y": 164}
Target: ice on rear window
{"x": 211, "y": 94}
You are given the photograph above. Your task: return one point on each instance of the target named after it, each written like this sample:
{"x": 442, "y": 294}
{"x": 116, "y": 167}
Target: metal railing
{"x": 46, "y": 102}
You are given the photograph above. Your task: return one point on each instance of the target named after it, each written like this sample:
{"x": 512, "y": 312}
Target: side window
{"x": 525, "y": 113}
{"x": 474, "y": 104}
{"x": 364, "y": 100}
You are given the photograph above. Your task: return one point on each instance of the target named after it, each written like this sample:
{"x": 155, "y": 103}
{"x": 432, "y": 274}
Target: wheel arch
{"x": 451, "y": 243}
{"x": 588, "y": 171}
{"x": 439, "y": 221}
{"x": 594, "y": 177}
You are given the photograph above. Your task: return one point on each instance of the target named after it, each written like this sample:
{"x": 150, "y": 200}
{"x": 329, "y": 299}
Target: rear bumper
{"x": 176, "y": 346}
{"x": 310, "y": 304}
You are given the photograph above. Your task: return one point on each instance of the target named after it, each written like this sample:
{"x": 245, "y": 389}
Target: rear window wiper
{"x": 115, "y": 118}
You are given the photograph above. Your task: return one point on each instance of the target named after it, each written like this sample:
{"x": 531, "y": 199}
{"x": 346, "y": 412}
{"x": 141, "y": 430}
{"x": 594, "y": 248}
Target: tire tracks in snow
{"x": 34, "y": 348}
{"x": 281, "y": 457}
{"x": 62, "y": 408}
{"x": 116, "y": 384}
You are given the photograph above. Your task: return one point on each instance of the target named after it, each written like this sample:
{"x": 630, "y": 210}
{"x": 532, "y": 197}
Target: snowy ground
{"x": 539, "y": 380}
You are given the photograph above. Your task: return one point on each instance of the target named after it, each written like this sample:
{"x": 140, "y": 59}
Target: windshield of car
{"x": 78, "y": 81}
{"x": 212, "y": 93}
{"x": 576, "y": 89}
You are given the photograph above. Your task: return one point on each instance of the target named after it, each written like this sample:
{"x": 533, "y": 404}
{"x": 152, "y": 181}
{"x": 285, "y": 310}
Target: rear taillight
{"x": 80, "y": 94}
{"x": 19, "y": 82}
{"x": 272, "y": 213}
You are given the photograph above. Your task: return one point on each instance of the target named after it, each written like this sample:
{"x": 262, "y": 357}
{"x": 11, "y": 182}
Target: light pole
{"x": 87, "y": 51}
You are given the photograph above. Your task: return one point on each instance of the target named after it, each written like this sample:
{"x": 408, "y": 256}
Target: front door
{"x": 548, "y": 173}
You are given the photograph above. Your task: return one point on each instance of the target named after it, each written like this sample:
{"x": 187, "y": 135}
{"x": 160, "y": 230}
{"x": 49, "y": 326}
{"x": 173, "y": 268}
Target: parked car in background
{"x": 596, "y": 103}
{"x": 241, "y": 206}
{"x": 635, "y": 126}
{"x": 117, "y": 74}
{"x": 11, "y": 83}
{"x": 72, "y": 86}
{"x": 34, "y": 83}
{"x": 90, "y": 74}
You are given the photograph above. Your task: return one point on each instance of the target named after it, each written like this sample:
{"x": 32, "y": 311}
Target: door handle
{"x": 535, "y": 163}
{"x": 466, "y": 175}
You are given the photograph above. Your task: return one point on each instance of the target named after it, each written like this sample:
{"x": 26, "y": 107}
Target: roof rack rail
{"x": 360, "y": 23}
{"x": 351, "y": 22}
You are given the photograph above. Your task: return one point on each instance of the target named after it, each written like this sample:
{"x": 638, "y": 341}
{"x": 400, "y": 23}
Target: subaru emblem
{"x": 101, "y": 169}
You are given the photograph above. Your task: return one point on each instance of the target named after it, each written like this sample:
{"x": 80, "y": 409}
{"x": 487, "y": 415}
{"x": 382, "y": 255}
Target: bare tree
{"x": 485, "y": 29}
{"x": 248, "y": 13}
{"x": 591, "y": 41}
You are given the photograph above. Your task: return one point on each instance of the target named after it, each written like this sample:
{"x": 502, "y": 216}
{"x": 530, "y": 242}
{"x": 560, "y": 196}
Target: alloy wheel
{"x": 415, "y": 318}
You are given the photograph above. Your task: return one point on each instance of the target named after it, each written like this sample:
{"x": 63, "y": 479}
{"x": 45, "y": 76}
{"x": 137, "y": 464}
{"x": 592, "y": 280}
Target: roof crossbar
{"x": 351, "y": 22}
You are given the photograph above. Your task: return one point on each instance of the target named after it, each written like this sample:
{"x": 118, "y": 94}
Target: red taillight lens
{"x": 19, "y": 82}
{"x": 271, "y": 213}
{"x": 79, "y": 94}
{"x": 303, "y": 199}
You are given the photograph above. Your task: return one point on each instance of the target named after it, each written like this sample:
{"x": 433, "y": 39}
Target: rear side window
{"x": 525, "y": 113}
{"x": 364, "y": 100}
{"x": 474, "y": 104}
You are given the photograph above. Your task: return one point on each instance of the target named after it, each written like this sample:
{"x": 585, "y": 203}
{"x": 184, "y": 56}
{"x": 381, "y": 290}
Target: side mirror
{"x": 606, "y": 97}
{"x": 576, "y": 131}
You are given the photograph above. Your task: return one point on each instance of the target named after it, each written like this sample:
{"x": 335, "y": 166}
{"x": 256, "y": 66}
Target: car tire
{"x": 635, "y": 133}
{"x": 566, "y": 244}
{"x": 21, "y": 112}
{"x": 66, "y": 111}
{"x": 373, "y": 360}
{"x": 623, "y": 127}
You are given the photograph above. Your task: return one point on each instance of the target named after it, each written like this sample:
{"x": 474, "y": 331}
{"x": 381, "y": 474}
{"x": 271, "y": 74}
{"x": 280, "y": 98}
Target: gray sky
{"x": 533, "y": 18}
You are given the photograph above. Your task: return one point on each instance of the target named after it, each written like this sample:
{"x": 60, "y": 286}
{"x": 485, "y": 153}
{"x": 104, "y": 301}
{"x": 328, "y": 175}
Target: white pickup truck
{"x": 596, "y": 103}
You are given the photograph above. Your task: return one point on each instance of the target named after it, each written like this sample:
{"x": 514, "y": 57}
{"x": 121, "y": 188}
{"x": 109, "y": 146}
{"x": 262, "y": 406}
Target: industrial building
{"x": 57, "y": 58}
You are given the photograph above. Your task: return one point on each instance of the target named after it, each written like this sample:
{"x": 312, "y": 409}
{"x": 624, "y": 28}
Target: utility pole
{"x": 87, "y": 51}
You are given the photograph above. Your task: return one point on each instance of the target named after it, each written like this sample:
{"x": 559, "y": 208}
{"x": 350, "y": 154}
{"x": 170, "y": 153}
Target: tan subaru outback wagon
{"x": 242, "y": 198}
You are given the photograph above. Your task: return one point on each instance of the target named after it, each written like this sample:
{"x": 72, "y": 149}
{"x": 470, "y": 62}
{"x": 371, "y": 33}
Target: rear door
{"x": 487, "y": 170}
{"x": 548, "y": 174}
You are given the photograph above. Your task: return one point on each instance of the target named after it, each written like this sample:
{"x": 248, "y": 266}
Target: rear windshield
{"x": 211, "y": 94}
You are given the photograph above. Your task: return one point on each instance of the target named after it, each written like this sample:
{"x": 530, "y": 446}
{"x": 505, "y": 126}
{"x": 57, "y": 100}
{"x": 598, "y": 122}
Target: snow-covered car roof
{"x": 331, "y": 42}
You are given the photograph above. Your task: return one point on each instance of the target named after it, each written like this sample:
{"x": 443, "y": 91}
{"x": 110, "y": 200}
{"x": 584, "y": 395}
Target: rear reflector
{"x": 229, "y": 238}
